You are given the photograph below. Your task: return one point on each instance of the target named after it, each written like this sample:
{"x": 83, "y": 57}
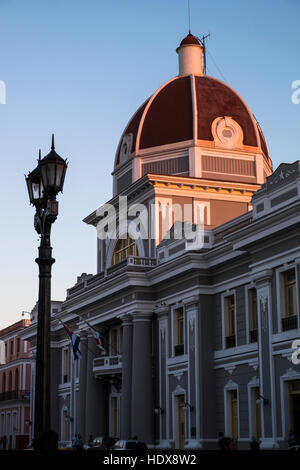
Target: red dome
{"x": 190, "y": 39}
{"x": 183, "y": 109}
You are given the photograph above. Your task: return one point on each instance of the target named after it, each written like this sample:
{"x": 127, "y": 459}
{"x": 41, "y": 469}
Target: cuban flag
{"x": 97, "y": 339}
{"x": 75, "y": 341}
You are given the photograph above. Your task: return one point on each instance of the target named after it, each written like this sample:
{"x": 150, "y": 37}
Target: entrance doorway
{"x": 233, "y": 414}
{"x": 115, "y": 416}
{"x": 255, "y": 411}
{"x": 294, "y": 402}
{"x": 180, "y": 422}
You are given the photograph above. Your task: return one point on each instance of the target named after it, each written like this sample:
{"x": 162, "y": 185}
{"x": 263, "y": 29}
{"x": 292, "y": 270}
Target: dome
{"x": 190, "y": 39}
{"x": 187, "y": 109}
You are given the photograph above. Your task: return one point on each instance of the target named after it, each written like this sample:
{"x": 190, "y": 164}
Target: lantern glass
{"x": 60, "y": 175}
{"x": 53, "y": 174}
{"x": 35, "y": 186}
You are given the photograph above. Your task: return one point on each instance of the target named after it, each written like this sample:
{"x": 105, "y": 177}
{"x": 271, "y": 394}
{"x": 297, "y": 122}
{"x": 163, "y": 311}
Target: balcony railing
{"x": 179, "y": 349}
{"x": 138, "y": 262}
{"x": 253, "y": 336}
{"x": 107, "y": 364}
{"x": 230, "y": 341}
{"x": 15, "y": 395}
{"x": 289, "y": 323}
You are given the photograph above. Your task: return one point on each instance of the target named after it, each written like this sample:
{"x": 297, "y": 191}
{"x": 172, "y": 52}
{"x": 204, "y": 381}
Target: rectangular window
{"x": 289, "y": 320}
{"x": 253, "y": 315}
{"x": 124, "y": 248}
{"x": 66, "y": 366}
{"x": 230, "y": 321}
{"x": 179, "y": 332}
{"x": 18, "y": 345}
{"x": 12, "y": 347}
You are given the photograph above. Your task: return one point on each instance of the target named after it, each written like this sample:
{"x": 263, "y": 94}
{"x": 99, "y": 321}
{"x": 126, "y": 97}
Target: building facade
{"x": 198, "y": 334}
{"x": 15, "y": 372}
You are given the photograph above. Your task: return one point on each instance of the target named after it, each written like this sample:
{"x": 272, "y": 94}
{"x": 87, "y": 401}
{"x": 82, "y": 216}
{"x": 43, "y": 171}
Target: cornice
{"x": 274, "y": 222}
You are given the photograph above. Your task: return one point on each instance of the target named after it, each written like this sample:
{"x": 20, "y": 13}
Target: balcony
{"x": 253, "y": 336}
{"x": 230, "y": 341}
{"x": 135, "y": 263}
{"x": 15, "y": 395}
{"x": 289, "y": 323}
{"x": 107, "y": 365}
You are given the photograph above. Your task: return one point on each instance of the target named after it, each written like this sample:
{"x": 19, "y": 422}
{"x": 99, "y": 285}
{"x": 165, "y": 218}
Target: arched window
{"x": 3, "y": 382}
{"x": 10, "y": 381}
{"x": 124, "y": 248}
{"x": 17, "y": 379}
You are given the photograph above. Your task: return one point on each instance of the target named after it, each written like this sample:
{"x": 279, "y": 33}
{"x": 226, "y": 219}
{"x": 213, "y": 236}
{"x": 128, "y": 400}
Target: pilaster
{"x": 266, "y": 364}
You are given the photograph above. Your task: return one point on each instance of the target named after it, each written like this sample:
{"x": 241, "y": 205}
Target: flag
{"x": 97, "y": 339}
{"x": 75, "y": 340}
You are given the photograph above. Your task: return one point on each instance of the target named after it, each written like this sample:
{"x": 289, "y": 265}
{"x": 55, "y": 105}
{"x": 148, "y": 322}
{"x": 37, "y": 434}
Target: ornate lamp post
{"x": 43, "y": 184}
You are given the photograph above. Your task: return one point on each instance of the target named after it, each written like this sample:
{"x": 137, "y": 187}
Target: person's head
{"x": 227, "y": 443}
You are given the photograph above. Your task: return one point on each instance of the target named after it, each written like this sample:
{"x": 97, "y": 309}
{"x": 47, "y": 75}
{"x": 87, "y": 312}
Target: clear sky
{"x": 80, "y": 68}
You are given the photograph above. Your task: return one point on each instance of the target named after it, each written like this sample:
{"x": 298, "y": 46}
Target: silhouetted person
{"x": 254, "y": 444}
{"x": 80, "y": 442}
{"x": 291, "y": 438}
{"x": 226, "y": 443}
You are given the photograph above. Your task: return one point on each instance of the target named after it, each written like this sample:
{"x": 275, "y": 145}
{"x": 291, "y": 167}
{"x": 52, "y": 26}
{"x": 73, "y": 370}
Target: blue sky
{"x": 80, "y": 68}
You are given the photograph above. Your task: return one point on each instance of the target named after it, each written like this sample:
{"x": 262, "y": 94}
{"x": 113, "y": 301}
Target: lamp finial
{"x": 52, "y": 145}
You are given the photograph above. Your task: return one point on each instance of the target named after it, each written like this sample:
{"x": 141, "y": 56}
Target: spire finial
{"x": 52, "y": 145}
{"x": 40, "y": 155}
{"x": 189, "y": 16}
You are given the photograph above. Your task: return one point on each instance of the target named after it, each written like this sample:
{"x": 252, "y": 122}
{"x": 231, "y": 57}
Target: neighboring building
{"x": 15, "y": 371}
{"x": 198, "y": 341}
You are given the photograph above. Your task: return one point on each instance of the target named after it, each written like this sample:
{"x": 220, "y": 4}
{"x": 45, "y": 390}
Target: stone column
{"x": 142, "y": 410}
{"x": 126, "y": 377}
{"x": 205, "y": 375}
{"x": 193, "y": 413}
{"x": 266, "y": 365}
{"x": 96, "y": 399}
{"x": 80, "y": 411}
{"x": 162, "y": 403}
{"x": 55, "y": 380}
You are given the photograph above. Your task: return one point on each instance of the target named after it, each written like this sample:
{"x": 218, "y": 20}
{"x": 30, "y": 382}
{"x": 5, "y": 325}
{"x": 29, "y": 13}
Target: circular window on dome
{"x": 227, "y": 132}
{"x": 125, "y": 148}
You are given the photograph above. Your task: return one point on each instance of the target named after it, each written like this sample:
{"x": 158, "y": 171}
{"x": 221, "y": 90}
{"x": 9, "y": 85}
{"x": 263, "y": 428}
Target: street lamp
{"x": 43, "y": 184}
